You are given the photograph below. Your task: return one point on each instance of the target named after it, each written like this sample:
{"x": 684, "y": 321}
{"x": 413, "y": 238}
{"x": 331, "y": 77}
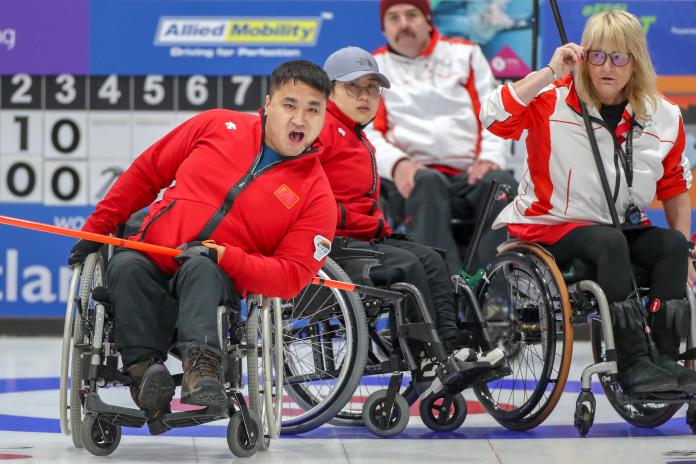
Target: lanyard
{"x": 627, "y": 157}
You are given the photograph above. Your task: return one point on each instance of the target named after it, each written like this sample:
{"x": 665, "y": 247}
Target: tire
{"x": 92, "y": 276}
{"x": 379, "y": 350}
{"x": 543, "y": 337}
{"x": 443, "y": 414}
{"x": 328, "y": 325}
{"x": 100, "y": 438}
{"x": 238, "y": 435}
{"x": 254, "y": 368}
{"x": 373, "y": 409}
{"x": 648, "y": 415}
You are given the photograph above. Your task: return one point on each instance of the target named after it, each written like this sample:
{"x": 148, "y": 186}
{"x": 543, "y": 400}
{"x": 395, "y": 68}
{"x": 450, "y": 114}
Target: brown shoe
{"x": 201, "y": 384}
{"x": 152, "y": 390}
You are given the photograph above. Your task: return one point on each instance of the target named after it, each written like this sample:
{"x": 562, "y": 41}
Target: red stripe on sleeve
{"x": 476, "y": 107}
{"x": 673, "y": 182}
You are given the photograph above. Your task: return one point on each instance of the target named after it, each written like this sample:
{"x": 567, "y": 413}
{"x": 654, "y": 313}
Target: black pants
{"x": 663, "y": 252}
{"x": 150, "y": 307}
{"x": 436, "y": 199}
{"x": 420, "y": 265}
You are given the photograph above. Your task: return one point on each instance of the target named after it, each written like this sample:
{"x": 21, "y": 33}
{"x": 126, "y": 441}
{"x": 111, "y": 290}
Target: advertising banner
{"x": 39, "y": 36}
{"x": 231, "y": 37}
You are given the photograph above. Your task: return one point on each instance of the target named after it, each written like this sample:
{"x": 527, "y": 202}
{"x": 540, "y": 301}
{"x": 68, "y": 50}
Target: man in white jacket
{"x": 435, "y": 155}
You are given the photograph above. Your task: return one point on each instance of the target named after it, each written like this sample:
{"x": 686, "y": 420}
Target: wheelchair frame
{"x": 584, "y": 301}
{"x": 94, "y": 364}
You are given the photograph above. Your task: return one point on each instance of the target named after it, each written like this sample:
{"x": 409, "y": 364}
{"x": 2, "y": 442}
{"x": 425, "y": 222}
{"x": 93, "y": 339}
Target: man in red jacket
{"x": 253, "y": 185}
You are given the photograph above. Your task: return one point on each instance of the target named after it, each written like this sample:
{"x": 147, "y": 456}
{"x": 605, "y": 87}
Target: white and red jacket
{"x": 271, "y": 230}
{"x": 560, "y": 183}
{"x": 430, "y": 113}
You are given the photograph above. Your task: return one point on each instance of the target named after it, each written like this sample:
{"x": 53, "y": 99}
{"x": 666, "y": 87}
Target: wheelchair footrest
{"x": 117, "y": 415}
{"x": 468, "y": 374}
{"x": 197, "y": 417}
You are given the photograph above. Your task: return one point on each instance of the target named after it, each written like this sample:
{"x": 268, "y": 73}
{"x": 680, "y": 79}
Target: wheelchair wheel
{"x": 374, "y": 379}
{"x": 256, "y": 375}
{"x": 385, "y": 423}
{"x": 93, "y": 275}
{"x": 100, "y": 438}
{"x": 239, "y": 438}
{"x": 324, "y": 348}
{"x": 647, "y": 415}
{"x": 443, "y": 413}
{"x": 539, "y": 349}
{"x": 75, "y": 341}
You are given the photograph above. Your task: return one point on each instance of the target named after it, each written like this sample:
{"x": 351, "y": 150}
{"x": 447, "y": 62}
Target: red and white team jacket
{"x": 430, "y": 113}
{"x": 279, "y": 228}
{"x": 561, "y": 183}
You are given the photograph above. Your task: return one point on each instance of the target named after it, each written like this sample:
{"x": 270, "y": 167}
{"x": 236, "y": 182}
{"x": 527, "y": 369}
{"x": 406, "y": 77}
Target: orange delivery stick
{"x": 89, "y": 236}
{"x": 141, "y": 246}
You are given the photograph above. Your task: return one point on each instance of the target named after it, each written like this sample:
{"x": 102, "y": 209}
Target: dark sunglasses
{"x": 598, "y": 57}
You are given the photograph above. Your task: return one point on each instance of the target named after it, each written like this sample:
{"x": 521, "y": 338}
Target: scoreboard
{"x": 65, "y": 139}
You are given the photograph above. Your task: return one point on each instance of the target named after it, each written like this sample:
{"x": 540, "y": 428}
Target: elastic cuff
{"x": 396, "y": 164}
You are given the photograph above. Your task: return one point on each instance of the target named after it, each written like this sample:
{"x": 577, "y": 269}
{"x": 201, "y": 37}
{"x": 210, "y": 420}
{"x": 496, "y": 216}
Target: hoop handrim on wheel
{"x": 520, "y": 418}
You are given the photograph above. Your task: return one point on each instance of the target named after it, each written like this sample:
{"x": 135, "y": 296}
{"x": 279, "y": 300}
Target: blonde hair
{"x": 624, "y": 32}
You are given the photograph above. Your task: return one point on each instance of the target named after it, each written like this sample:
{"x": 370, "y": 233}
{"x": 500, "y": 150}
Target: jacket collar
{"x": 342, "y": 117}
{"x": 573, "y": 101}
{"x": 434, "y": 39}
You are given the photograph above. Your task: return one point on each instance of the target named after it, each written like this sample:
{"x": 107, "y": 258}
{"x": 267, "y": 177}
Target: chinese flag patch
{"x": 286, "y": 196}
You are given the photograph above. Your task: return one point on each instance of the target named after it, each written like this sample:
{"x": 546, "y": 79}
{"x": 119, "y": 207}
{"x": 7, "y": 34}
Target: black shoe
{"x": 645, "y": 377}
{"x": 152, "y": 390}
{"x": 669, "y": 321}
{"x": 686, "y": 378}
{"x": 455, "y": 339}
{"x": 637, "y": 373}
{"x": 157, "y": 427}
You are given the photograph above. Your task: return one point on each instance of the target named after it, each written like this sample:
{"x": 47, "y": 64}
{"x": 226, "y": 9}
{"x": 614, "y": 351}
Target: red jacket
{"x": 349, "y": 161}
{"x": 271, "y": 230}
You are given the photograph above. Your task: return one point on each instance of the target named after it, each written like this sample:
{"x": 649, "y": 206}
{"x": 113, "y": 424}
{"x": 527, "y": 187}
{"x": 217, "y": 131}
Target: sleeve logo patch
{"x": 322, "y": 247}
{"x": 286, "y": 196}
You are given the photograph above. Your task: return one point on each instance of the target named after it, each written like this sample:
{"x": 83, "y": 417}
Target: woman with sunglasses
{"x": 349, "y": 162}
{"x": 561, "y": 204}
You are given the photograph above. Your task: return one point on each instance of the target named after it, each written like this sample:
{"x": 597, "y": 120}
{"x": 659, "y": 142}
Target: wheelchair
{"x": 542, "y": 303}
{"x": 397, "y": 345}
{"x": 90, "y": 365}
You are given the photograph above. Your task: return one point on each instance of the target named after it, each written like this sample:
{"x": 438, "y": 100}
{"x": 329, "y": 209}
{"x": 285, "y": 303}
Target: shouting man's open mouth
{"x": 296, "y": 137}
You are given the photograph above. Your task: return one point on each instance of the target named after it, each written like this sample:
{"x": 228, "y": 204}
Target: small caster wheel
{"x": 243, "y": 441}
{"x": 382, "y": 422}
{"x": 584, "y": 419}
{"x": 443, "y": 413}
{"x": 265, "y": 443}
{"x": 691, "y": 417}
{"x": 99, "y": 437}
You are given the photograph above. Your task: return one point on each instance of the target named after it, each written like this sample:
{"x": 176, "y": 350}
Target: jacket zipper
{"x": 358, "y": 130}
{"x": 152, "y": 221}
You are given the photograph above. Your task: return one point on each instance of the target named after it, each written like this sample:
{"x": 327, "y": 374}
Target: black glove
{"x": 81, "y": 250}
{"x": 206, "y": 248}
